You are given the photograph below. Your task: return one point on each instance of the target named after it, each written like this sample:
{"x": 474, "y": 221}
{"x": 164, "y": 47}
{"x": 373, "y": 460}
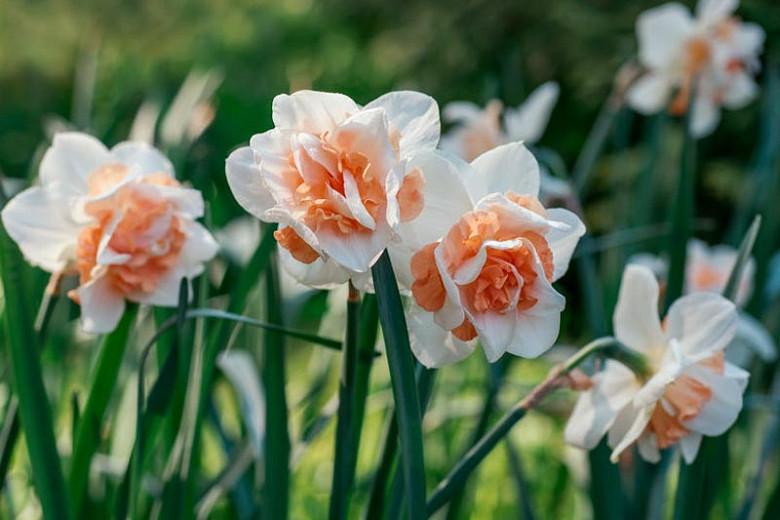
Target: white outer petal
{"x": 563, "y": 242}
{"x": 142, "y": 157}
{"x": 706, "y": 116}
{"x": 635, "y": 321}
{"x": 245, "y": 180}
{"x": 415, "y": 116}
{"x": 661, "y": 32}
{"x": 723, "y": 407}
{"x": 649, "y": 94}
{"x": 320, "y": 274}
{"x": 703, "y": 323}
{"x": 528, "y": 121}
{"x": 433, "y": 346}
{"x": 39, "y": 222}
{"x": 311, "y": 111}
{"x": 509, "y": 167}
{"x": 101, "y": 307}
{"x": 689, "y": 446}
{"x": 69, "y": 161}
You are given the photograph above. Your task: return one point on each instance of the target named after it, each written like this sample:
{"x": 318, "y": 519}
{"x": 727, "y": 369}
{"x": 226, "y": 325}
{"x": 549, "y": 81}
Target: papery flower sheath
{"x": 689, "y": 390}
{"x": 715, "y": 54}
{"x": 118, "y": 218}
{"x": 334, "y": 176}
{"x": 480, "y": 258}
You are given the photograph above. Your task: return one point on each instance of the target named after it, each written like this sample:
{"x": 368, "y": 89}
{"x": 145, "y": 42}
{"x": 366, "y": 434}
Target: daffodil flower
{"x": 690, "y": 389}
{"x": 714, "y": 53}
{"x": 334, "y": 176}
{"x": 480, "y": 258}
{"x": 118, "y": 218}
{"x": 707, "y": 269}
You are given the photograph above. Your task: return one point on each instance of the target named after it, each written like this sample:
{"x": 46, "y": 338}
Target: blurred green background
{"x": 92, "y": 64}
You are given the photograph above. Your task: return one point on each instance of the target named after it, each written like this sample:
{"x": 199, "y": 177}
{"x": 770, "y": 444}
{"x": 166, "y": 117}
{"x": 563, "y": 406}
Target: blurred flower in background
{"x": 710, "y": 59}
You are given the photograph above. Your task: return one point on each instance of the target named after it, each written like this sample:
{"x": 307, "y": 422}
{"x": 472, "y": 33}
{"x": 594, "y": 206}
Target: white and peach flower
{"x": 690, "y": 389}
{"x": 118, "y": 218}
{"x": 715, "y": 53}
{"x": 480, "y": 258}
{"x": 334, "y": 176}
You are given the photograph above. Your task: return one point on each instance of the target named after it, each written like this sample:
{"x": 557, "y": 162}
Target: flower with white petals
{"x": 707, "y": 269}
{"x": 480, "y": 258}
{"x": 715, "y": 53}
{"x": 334, "y": 176}
{"x": 116, "y": 217}
{"x": 689, "y": 390}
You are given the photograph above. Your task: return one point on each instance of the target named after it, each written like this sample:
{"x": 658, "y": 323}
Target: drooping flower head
{"x": 715, "y": 53}
{"x": 480, "y": 258}
{"x": 118, "y": 218}
{"x": 334, "y": 176}
{"x": 690, "y": 389}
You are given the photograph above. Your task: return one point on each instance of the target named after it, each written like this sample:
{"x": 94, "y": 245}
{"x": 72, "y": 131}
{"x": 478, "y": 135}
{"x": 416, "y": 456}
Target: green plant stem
{"x": 277, "y": 438}
{"x": 34, "y": 408}
{"x": 458, "y": 476}
{"x": 343, "y": 471}
{"x": 104, "y": 379}
{"x": 407, "y": 406}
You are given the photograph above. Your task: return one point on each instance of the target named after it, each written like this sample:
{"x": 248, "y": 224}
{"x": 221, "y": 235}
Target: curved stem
{"x": 454, "y": 481}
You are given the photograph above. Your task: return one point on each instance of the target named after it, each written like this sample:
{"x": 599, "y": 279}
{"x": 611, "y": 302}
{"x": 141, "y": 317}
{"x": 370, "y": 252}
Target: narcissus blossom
{"x": 118, "y": 218}
{"x": 707, "y": 269}
{"x": 715, "y": 53}
{"x": 480, "y": 258}
{"x": 335, "y": 176}
{"x": 689, "y": 390}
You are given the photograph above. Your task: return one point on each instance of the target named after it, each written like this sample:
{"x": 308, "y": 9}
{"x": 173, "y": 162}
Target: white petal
{"x": 597, "y": 408}
{"x": 415, "y": 116}
{"x": 537, "y": 328}
{"x": 510, "y": 167}
{"x": 628, "y": 426}
{"x": 742, "y": 89}
{"x": 703, "y": 323}
{"x": 354, "y": 251}
{"x": 320, "y": 274}
{"x": 661, "y": 32}
{"x": 649, "y": 94}
{"x": 752, "y": 337}
{"x": 749, "y": 39}
{"x": 245, "y": 180}
{"x": 433, "y": 346}
{"x": 495, "y": 332}
{"x": 635, "y": 321}
{"x": 711, "y": 11}
{"x": 723, "y": 407}
{"x": 647, "y": 444}
{"x": 39, "y": 222}
{"x": 312, "y": 112}
{"x": 689, "y": 446}
{"x": 528, "y": 121}
{"x": 563, "y": 242}
{"x": 101, "y": 306}
{"x": 199, "y": 248}
{"x": 67, "y": 164}
{"x": 461, "y": 112}
{"x": 706, "y": 116}
{"x": 142, "y": 157}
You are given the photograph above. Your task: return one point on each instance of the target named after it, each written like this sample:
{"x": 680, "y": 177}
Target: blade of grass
{"x": 700, "y": 482}
{"x": 401, "y": 363}
{"x": 343, "y": 469}
{"x": 369, "y": 327}
{"x": 276, "y": 444}
{"x": 27, "y": 378}
{"x": 104, "y": 378}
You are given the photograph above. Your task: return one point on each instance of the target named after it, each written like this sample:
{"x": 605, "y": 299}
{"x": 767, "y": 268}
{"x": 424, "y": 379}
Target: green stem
{"x": 407, "y": 406}
{"x": 458, "y": 476}
{"x": 277, "y": 438}
{"x": 104, "y": 378}
{"x": 343, "y": 471}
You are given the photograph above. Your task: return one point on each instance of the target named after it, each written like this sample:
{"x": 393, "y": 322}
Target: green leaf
{"x": 401, "y": 363}
{"x": 34, "y": 408}
{"x": 277, "y": 439}
{"x": 104, "y": 378}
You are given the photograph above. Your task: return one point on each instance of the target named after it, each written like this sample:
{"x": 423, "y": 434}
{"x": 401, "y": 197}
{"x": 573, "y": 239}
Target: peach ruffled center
{"x": 682, "y": 401}
{"x": 506, "y": 279}
{"x": 143, "y": 228}
{"x": 329, "y": 179}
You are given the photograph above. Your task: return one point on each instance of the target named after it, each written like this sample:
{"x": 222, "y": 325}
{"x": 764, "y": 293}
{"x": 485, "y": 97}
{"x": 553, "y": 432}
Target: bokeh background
{"x": 92, "y": 65}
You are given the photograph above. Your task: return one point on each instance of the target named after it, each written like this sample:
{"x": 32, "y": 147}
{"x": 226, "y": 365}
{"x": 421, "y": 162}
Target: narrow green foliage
{"x": 104, "y": 379}
{"x": 34, "y": 409}
{"x": 277, "y": 437}
{"x": 399, "y": 358}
